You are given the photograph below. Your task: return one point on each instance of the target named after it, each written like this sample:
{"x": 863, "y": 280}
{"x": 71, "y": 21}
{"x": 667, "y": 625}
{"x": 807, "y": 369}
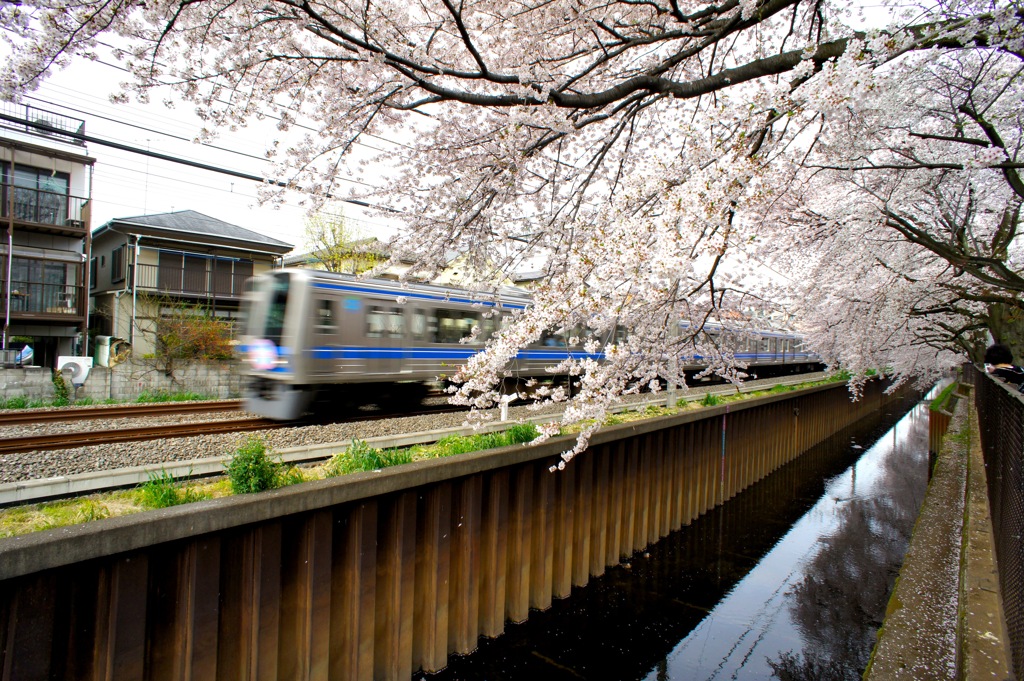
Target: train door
{"x": 385, "y": 331}
{"x": 325, "y": 343}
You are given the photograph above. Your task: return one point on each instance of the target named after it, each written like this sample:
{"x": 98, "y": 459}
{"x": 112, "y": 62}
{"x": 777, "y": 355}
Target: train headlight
{"x": 263, "y": 355}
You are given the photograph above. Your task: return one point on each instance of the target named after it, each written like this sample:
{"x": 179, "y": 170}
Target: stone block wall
{"x": 33, "y": 383}
{"x": 128, "y": 380}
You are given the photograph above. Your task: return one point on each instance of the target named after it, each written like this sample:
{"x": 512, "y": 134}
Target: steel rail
{"x": 34, "y": 416}
{"x": 11, "y": 445}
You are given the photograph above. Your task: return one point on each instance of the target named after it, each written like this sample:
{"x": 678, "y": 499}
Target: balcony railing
{"x": 37, "y": 298}
{"x": 180, "y": 281}
{"x": 42, "y": 122}
{"x": 41, "y": 207}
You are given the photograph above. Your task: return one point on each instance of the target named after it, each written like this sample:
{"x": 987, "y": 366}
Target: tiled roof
{"x": 191, "y": 222}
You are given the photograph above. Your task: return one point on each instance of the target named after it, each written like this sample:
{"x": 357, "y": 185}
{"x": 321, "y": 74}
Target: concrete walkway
{"x": 945, "y": 617}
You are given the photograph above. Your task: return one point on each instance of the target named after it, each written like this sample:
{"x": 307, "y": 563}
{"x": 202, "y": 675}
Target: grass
{"x": 22, "y": 402}
{"x": 162, "y": 491}
{"x": 256, "y": 470}
{"x": 939, "y": 403}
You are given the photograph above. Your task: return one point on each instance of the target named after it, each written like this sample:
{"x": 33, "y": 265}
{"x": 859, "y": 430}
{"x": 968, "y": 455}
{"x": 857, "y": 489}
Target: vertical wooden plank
{"x": 542, "y": 549}
{"x": 204, "y": 609}
{"x": 677, "y": 484}
{"x": 435, "y": 577}
{"x": 27, "y": 631}
{"x": 120, "y": 653}
{"x": 184, "y": 593}
{"x": 304, "y": 638}
{"x": 657, "y": 521}
{"x": 629, "y": 499}
{"x": 584, "y": 505}
{"x": 642, "y": 509}
{"x": 396, "y": 568}
{"x": 616, "y": 467}
{"x": 689, "y": 474}
{"x": 517, "y": 580}
{"x": 494, "y": 553}
{"x": 599, "y": 514}
{"x": 353, "y": 593}
{"x": 564, "y": 517}
{"x": 266, "y": 598}
{"x": 465, "y": 589}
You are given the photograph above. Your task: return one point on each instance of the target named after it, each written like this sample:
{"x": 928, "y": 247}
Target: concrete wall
{"x": 128, "y": 380}
{"x": 34, "y": 383}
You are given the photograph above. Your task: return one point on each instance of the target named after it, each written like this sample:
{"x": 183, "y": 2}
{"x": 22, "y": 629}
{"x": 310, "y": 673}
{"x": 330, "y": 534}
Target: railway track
{"x": 54, "y": 441}
{"x": 34, "y": 416}
{"x": 12, "y": 445}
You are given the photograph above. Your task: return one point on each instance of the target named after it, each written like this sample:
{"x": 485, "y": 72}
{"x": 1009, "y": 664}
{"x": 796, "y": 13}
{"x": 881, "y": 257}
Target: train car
{"x": 318, "y": 341}
{"x": 317, "y": 338}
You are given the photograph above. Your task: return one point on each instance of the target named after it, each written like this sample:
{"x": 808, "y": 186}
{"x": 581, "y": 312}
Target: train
{"x": 316, "y": 341}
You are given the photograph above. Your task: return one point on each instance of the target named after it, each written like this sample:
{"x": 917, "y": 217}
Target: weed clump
{"x": 251, "y": 469}
{"x": 711, "y": 400}
{"x": 362, "y": 457}
{"x": 162, "y": 491}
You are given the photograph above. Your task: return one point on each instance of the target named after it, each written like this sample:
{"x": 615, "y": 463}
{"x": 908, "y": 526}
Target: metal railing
{"x": 42, "y": 298}
{"x": 42, "y": 207}
{"x": 1001, "y": 418}
{"x": 42, "y": 122}
{"x": 190, "y": 282}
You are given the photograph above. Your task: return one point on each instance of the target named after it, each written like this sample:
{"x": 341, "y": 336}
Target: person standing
{"x": 999, "y": 363}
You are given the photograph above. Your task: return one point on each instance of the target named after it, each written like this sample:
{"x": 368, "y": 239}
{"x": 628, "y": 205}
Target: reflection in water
{"x": 790, "y": 579}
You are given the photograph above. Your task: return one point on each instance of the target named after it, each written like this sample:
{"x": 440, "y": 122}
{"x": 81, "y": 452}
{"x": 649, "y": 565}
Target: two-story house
{"x": 141, "y": 266}
{"x": 46, "y": 176}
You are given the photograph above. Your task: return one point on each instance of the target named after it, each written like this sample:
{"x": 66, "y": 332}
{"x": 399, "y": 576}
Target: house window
{"x": 93, "y": 273}
{"x": 40, "y": 195}
{"x": 117, "y": 272}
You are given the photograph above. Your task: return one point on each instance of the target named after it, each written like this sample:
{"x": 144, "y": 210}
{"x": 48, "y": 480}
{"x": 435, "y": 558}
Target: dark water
{"x": 788, "y": 580}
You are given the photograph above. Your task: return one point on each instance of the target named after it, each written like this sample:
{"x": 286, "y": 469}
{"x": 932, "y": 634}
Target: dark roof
{"x": 196, "y": 225}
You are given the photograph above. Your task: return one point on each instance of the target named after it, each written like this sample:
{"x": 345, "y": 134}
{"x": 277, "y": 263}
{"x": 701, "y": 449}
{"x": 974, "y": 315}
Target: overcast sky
{"x": 126, "y": 184}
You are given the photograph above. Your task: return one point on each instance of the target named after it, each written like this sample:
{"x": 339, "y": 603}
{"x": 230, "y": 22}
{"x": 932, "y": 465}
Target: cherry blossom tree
{"x": 674, "y": 162}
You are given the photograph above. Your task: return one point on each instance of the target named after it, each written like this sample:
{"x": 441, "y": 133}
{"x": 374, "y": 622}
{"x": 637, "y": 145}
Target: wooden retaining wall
{"x": 378, "y": 575}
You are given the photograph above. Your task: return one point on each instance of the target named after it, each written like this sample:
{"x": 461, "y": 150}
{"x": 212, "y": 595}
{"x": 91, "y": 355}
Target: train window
{"x": 383, "y": 323}
{"x": 454, "y": 325}
{"x": 325, "y": 322}
{"x": 489, "y": 325}
{"x": 418, "y": 325}
{"x": 374, "y": 322}
{"x": 552, "y": 340}
{"x": 394, "y": 323}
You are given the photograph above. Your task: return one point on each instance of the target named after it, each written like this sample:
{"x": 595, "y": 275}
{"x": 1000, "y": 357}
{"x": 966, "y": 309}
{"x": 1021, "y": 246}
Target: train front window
{"x": 274, "y": 328}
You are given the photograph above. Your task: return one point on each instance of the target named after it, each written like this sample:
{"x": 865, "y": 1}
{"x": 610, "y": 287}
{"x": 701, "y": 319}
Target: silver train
{"x": 316, "y": 341}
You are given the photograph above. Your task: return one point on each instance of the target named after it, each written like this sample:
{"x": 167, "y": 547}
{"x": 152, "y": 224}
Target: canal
{"x": 787, "y": 580}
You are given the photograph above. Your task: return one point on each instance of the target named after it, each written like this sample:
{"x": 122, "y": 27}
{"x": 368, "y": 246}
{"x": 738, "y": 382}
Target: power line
{"x": 45, "y": 127}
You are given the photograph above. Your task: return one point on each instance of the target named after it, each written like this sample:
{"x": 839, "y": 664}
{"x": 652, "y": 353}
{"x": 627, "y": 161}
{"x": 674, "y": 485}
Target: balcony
{"x": 36, "y": 299}
{"x": 43, "y": 211}
{"x": 43, "y": 123}
{"x": 192, "y": 283}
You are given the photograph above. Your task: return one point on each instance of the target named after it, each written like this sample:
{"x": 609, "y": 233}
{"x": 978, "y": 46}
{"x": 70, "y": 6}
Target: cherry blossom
{"x": 675, "y": 165}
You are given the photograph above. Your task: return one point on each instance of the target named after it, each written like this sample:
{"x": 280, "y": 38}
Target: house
{"x": 46, "y": 175}
{"x": 141, "y": 267}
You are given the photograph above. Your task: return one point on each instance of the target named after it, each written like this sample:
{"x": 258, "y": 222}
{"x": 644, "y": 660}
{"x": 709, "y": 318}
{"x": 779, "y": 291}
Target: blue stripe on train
{"x": 414, "y": 295}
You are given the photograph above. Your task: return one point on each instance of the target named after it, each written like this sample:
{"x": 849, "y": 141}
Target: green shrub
{"x": 162, "y": 491}
{"x": 710, "y": 400}
{"x": 61, "y": 392}
{"x": 251, "y": 469}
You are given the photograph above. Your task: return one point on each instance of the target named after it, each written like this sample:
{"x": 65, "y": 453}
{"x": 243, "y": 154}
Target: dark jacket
{"x": 1013, "y": 375}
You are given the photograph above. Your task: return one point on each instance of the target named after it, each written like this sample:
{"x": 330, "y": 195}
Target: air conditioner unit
{"x": 75, "y": 369}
